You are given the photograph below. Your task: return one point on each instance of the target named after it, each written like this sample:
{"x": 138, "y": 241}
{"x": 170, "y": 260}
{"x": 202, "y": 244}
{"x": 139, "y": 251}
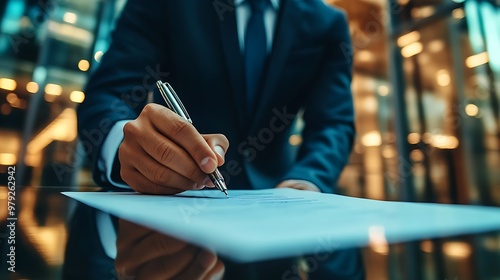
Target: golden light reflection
{"x": 53, "y": 89}
{"x": 477, "y": 60}
{"x": 15, "y": 102}
{"x": 413, "y": 138}
{"x": 389, "y": 152}
{"x": 372, "y": 139}
{"x": 471, "y": 110}
{"x": 383, "y": 90}
{"x": 427, "y": 246}
{"x": 50, "y": 239}
{"x": 7, "y": 84}
{"x": 64, "y": 31}
{"x": 443, "y": 78}
{"x": 458, "y": 13}
{"x": 369, "y": 104}
{"x": 10, "y": 141}
{"x": 435, "y": 46}
{"x": 412, "y": 49}
{"x": 12, "y": 98}
{"x": 70, "y": 17}
{"x": 8, "y": 159}
{"x": 365, "y": 56}
{"x": 427, "y": 138}
{"x": 422, "y": 12}
{"x": 408, "y": 38}
{"x": 455, "y": 249}
{"x": 3, "y": 210}
{"x": 83, "y": 65}
{"x": 62, "y": 128}
{"x": 295, "y": 140}
{"x": 77, "y": 96}
{"x": 33, "y": 159}
{"x": 444, "y": 141}
{"x": 417, "y": 156}
{"x": 32, "y": 87}
{"x": 377, "y": 240}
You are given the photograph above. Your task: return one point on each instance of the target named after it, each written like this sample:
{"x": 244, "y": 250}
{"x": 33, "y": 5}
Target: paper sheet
{"x": 264, "y": 224}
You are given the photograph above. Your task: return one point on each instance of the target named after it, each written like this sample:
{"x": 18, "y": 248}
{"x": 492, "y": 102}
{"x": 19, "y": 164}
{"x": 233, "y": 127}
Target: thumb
{"x": 219, "y": 145}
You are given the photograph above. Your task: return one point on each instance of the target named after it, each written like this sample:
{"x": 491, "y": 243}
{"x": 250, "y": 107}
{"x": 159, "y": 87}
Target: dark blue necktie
{"x": 255, "y": 52}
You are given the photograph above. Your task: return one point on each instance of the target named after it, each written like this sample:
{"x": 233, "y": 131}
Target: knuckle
{"x": 125, "y": 175}
{"x": 129, "y": 129}
{"x": 178, "y": 127}
{"x": 194, "y": 173}
{"x": 165, "y": 152}
{"x": 148, "y": 109}
{"x": 162, "y": 243}
{"x": 159, "y": 175}
{"x": 198, "y": 150}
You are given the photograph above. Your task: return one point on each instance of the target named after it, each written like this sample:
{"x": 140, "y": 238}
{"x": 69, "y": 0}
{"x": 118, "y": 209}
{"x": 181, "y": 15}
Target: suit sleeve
{"x": 329, "y": 115}
{"x": 118, "y": 88}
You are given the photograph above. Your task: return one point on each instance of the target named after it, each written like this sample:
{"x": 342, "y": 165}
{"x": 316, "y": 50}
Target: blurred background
{"x": 426, "y": 89}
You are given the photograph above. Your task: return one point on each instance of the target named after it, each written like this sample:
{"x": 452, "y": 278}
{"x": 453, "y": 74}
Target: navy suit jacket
{"x": 193, "y": 45}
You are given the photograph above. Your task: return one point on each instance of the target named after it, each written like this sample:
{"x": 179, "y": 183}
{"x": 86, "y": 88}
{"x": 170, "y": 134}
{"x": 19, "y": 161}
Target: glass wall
{"x": 427, "y": 98}
{"x": 426, "y": 89}
{"x": 47, "y": 49}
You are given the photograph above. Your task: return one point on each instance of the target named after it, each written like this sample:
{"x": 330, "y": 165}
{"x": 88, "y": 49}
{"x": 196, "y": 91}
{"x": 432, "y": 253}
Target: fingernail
{"x": 208, "y": 164}
{"x": 219, "y": 150}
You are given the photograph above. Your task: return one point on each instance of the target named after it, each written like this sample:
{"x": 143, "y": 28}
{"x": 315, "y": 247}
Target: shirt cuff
{"x": 109, "y": 152}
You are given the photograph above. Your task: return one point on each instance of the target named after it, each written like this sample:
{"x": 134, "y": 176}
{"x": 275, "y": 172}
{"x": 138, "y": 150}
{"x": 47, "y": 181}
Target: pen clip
{"x": 172, "y": 100}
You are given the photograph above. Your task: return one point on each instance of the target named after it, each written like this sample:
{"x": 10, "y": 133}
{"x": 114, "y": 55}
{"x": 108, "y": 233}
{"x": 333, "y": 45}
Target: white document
{"x": 264, "y": 224}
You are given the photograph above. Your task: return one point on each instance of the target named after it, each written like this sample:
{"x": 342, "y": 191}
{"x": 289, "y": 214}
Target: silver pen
{"x": 175, "y": 104}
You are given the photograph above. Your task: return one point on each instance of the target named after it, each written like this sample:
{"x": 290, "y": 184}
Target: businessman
{"x": 244, "y": 70}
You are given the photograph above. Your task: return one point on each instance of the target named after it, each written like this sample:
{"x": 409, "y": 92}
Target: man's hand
{"x": 146, "y": 254}
{"x": 162, "y": 153}
{"x": 299, "y": 185}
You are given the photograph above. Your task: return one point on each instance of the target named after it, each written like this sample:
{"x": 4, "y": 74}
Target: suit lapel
{"x": 234, "y": 62}
{"x": 283, "y": 38}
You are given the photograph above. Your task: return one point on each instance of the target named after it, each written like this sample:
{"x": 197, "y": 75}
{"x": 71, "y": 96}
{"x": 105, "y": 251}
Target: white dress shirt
{"x": 243, "y": 13}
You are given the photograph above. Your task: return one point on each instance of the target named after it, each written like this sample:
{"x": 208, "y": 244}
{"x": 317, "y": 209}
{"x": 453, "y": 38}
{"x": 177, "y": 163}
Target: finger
{"x": 150, "y": 172}
{"x": 290, "y": 185}
{"x": 284, "y": 184}
{"x": 199, "y": 267}
{"x": 219, "y": 145}
{"x": 298, "y": 185}
{"x": 138, "y": 182}
{"x": 184, "y": 134}
{"x": 217, "y": 272}
{"x": 130, "y": 234}
{"x": 154, "y": 246}
{"x": 164, "y": 176}
{"x": 167, "y": 267}
{"x": 163, "y": 150}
